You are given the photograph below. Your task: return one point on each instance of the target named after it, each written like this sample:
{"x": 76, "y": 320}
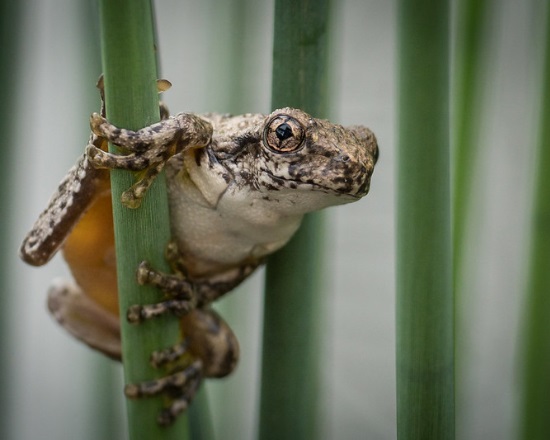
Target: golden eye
{"x": 283, "y": 134}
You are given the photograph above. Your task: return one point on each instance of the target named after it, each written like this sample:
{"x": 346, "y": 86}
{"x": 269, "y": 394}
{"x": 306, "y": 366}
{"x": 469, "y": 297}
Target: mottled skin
{"x": 238, "y": 187}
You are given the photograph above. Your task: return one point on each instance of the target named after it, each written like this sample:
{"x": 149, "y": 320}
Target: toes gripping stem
{"x": 180, "y": 387}
{"x": 180, "y": 293}
{"x": 148, "y": 149}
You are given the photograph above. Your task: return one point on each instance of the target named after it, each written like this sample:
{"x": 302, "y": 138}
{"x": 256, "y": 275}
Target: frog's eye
{"x": 283, "y": 134}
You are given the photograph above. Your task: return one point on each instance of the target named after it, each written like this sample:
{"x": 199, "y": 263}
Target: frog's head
{"x": 303, "y": 153}
{"x": 290, "y": 158}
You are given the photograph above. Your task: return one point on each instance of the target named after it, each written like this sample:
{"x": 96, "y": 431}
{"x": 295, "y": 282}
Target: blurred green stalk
{"x": 199, "y": 415}
{"x": 10, "y": 38}
{"x": 103, "y": 381}
{"x": 471, "y": 29}
{"x": 230, "y": 50}
{"x": 535, "y": 409}
{"x": 293, "y": 311}
{"x": 470, "y": 63}
{"x": 424, "y": 302}
{"x": 128, "y": 54}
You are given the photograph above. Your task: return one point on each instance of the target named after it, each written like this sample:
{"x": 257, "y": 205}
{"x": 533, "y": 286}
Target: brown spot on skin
{"x": 197, "y": 155}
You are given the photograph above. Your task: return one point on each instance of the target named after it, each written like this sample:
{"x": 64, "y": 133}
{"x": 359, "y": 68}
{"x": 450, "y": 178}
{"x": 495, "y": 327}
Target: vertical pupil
{"x": 283, "y": 131}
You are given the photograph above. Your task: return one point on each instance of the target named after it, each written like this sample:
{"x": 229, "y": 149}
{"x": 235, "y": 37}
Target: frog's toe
{"x": 174, "y": 384}
{"x": 171, "y": 355}
{"x": 132, "y": 197}
{"x": 96, "y": 122}
{"x": 128, "y": 139}
{"x": 180, "y": 387}
{"x": 104, "y": 160}
{"x": 139, "y": 313}
{"x": 179, "y": 291}
{"x": 168, "y": 415}
{"x": 174, "y": 285}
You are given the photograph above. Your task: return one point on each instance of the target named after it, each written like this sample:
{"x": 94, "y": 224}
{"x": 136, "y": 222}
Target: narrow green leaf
{"x": 291, "y": 367}
{"x": 536, "y": 393}
{"x": 128, "y": 53}
{"x": 424, "y": 303}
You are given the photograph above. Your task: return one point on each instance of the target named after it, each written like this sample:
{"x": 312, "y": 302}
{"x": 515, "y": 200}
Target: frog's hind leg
{"x": 84, "y": 319}
{"x": 208, "y": 349}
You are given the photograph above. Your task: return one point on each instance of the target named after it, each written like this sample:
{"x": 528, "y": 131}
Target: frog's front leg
{"x": 149, "y": 148}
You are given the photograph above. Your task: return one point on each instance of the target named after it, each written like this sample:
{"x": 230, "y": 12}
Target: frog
{"x": 238, "y": 187}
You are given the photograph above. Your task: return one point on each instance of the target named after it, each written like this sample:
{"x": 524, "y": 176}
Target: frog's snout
{"x": 351, "y": 175}
{"x": 361, "y": 181}
{"x": 366, "y": 158}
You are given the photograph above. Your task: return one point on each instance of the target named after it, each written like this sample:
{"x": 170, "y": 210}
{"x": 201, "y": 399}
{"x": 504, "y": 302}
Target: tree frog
{"x": 238, "y": 187}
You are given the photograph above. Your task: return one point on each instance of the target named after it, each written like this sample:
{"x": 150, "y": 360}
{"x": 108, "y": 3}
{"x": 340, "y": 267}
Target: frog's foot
{"x": 147, "y": 150}
{"x": 84, "y": 318}
{"x": 180, "y": 386}
{"x": 180, "y": 293}
{"x": 209, "y": 349}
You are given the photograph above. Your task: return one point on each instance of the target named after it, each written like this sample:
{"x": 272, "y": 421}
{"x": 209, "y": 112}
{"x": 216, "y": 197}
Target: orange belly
{"x": 90, "y": 253}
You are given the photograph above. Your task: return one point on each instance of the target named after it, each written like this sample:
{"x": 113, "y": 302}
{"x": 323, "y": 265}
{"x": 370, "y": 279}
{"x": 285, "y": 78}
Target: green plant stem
{"x": 289, "y": 406}
{"x": 424, "y": 302}
{"x": 470, "y": 63}
{"x": 127, "y": 43}
{"x": 471, "y": 28}
{"x": 200, "y": 419}
{"x": 230, "y": 50}
{"x": 11, "y": 36}
{"x": 103, "y": 382}
{"x": 536, "y": 392}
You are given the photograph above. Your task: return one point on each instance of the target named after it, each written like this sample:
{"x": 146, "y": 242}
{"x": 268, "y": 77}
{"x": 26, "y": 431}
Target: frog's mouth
{"x": 344, "y": 187}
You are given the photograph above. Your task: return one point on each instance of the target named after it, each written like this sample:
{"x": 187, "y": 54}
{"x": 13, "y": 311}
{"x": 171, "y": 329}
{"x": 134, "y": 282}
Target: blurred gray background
{"x": 56, "y": 383}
